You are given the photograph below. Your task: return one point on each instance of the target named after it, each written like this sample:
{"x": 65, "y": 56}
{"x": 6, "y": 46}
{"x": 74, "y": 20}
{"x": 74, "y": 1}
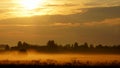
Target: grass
{"x": 50, "y": 62}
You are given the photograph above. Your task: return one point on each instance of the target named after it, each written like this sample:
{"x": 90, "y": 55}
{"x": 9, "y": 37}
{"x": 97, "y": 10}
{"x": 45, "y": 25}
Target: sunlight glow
{"x": 30, "y": 4}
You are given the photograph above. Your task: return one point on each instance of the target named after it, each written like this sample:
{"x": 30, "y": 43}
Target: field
{"x": 68, "y": 59}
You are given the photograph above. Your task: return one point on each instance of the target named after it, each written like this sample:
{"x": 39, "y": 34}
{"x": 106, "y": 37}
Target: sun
{"x": 30, "y": 4}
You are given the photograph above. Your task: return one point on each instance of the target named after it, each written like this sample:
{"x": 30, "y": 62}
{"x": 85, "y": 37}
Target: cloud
{"x": 61, "y": 5}
{"x": 103, "y": 3}
{"x": 88, "y": 15}
{"x": 66, "y": 24}
{"x": 108, "y": 22}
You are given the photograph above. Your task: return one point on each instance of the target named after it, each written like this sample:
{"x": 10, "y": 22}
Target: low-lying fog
{"x": 61, "y": 58}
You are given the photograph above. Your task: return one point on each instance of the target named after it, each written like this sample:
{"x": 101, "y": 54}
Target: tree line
{"x": 51, "y": 46}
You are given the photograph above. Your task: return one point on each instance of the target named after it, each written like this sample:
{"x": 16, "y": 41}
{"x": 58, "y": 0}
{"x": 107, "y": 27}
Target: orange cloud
{"x": 107, "y": 22}
{"x": 67, "y": 24}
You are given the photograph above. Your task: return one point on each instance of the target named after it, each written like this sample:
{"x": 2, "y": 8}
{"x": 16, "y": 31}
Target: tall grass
{"x": 50, "y": 62}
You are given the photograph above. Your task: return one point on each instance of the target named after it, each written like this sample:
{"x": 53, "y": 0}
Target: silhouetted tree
{"x": 51, "y": 44}
{"x": 19, "y": 44}
{"x": 91, "y": 46}
{"x": 85, "y": 45}
{"x": 75, "y": 45}
{"x": 7, "y": 47}
{"x": 99, "y": 46}
{"x": 25, "y": 45}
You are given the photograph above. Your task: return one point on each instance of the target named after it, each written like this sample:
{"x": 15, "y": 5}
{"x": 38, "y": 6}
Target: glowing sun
{"x": 30, "y": 4}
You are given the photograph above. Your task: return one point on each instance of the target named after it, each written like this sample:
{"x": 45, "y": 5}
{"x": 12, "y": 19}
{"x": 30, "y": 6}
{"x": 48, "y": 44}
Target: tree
{"x": 51, "y": 44}
{"x": 91, "y": 46}
{"x": 99, "y": 46}
{"x": 85, "y": 45}
{"x": 19, "y": 44}
{"x": 25, "y": 45}
{"x": 22, "y": 46}
{"x": 7, "y": 47}
{"x": 75, "y": 45}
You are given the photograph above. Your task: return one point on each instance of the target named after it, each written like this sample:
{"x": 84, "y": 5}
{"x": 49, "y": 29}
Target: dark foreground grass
{"x": 54, "y": 64}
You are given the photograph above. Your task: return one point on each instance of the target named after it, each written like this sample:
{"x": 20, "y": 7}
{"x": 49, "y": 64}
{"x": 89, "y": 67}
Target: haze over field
{"x": 26, "y": 58}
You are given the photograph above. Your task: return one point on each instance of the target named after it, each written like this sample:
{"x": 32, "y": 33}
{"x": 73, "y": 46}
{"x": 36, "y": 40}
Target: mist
{"x": 32, "y": 56}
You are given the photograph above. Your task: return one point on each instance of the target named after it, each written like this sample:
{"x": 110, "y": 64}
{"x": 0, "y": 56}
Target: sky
{"x": 65, "y": 21}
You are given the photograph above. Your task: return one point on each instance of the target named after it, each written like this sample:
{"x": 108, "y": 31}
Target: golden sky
{"x": 18, "y": 8}
{"x": 66, "y": 21}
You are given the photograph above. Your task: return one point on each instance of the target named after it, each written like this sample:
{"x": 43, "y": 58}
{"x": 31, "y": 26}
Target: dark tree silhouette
{"x": 19, "y": 44}
{"x": 75, "y": 45}
{"x": 53, "y": 47}
{"x": 22, "y": 46}
{"x": 99, "y": 46}
{"x": 85, "y": 45}
{"x": 91, "y": 46}
{"x": 7, "y": 47}
{"x": 51, "y": 44}
{"x": 25, "y": 45}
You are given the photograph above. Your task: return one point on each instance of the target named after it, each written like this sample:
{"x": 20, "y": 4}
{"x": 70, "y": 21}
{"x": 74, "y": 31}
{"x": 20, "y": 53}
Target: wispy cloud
{"x": 88, "y": 15}
{"x": 61, "y": 5}
{"x": 100, "y": 3}
{"x": 107, "y": 22}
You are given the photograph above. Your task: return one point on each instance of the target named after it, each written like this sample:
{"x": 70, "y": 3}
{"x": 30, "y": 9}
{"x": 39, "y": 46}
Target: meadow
{"x": 62, "y": 59}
